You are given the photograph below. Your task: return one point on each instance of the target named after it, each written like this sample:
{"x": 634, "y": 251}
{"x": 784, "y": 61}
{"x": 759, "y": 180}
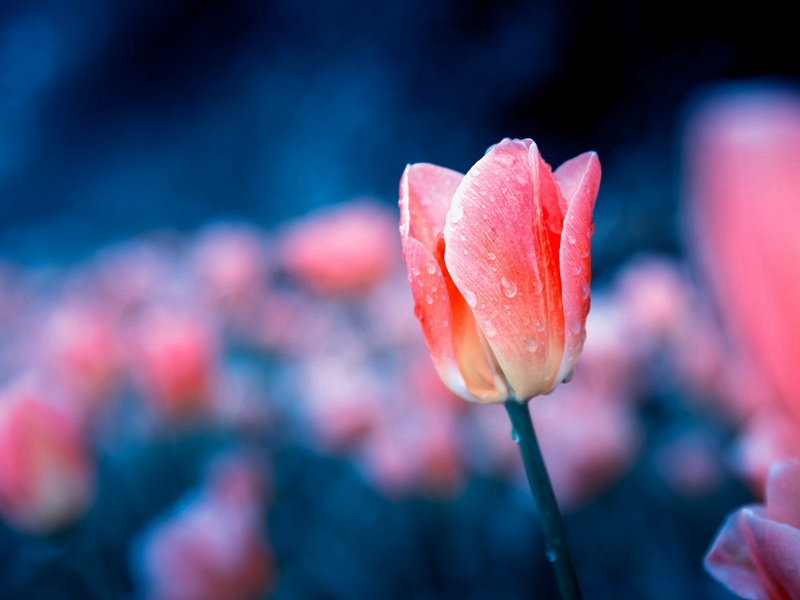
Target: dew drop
{"x": 430, "y": 267}
{"x": 571, "y": 238}
{"x": 471, "y": 298}
{"x": 537, "y": 288}
{"x": 463, "y": 238}
{"x": 415, "y": 271}
{"x": 539, "y": 326}
{"x": 485, "y": 217}
{"x": 575, "y": 327}
{"x": 483, "y": 306}
{"x": 584, "y": 291}
{"x": 491, "y": 256}
{"x": 489, "y": 329}
{"x": 514, "y": 436}
{"x": 420, "y": 283}
{"x": 456, "y": 213}
{"x": 466, "y": 251}
{"x": 577, "y": 270}
{"x": 429, "y": 299}
{"x": 531, "y": 345}
{"x": 509, "y": 288}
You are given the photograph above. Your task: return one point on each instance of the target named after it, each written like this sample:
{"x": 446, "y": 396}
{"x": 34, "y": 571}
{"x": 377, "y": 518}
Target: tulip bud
{"x": 46, "y": 479}
{"x": 499, "y": 265}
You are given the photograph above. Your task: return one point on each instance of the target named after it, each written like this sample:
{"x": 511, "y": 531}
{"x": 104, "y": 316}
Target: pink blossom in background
{"x": 211, "y": 547}
{"x": 343, "y": 250}
{"x": 81, "y": 347}
{"x": 46, "y": 473}
{"x": 655, "y": 298}
{"x": 499, "y": 265}
{"x": 229, "y": 261}
{"x": 174, "y": 354}
{"x": 743, "y": 194}
{"x": 757, "y": 552}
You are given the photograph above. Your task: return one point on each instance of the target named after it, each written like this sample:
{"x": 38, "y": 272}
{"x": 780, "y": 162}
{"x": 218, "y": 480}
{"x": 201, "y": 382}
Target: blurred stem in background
{"x": 557, "y": 551}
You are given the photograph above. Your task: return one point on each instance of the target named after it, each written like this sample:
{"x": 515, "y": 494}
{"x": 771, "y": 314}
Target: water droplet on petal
{"x": 514, "y": 435}
{"x": 456, "y": 213}
{"x": 471, "y": 298}
{"x": 571, "y": 238}
{"x": 463, "y": 238}
{"x": 489, "y": 329}
{"x": 485, "y": 217}
{"x": 584, "y": 291}
{"x": 577, "y": 270}
{"x": 509, "y": 288}
{"x": 537, "y": 288}
{"x": 491, "y": 256}
{"x": 429, "y": 299}
{"x": 531, "y": 345}
{"x": 430, "y": 267}
{"x": 539, "y": 326}
{"x": 575, "y": 327}
{"x": 415, "y": 271}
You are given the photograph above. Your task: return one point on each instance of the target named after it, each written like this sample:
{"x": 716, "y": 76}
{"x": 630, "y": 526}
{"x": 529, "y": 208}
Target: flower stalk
{"x": 557, "y": 552}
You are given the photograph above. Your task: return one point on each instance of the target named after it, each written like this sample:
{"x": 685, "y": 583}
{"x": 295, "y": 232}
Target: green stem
{"x": 545, "y": 500}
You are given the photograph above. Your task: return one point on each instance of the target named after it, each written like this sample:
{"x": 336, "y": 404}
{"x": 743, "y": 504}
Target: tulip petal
{"x": 783, "y": 493}
{"x": 579, "y": 180}
{"x": 730, "y": 561}
{"x": 775, "y": 548}
{"x": 456, "y": 345}
{"x": 426, "y": 192}
{"x": 499, "y": 254}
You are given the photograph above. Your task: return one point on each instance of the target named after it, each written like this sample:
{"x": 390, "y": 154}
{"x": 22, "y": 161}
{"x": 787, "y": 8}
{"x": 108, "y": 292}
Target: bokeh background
{"x": 142, "y": 140}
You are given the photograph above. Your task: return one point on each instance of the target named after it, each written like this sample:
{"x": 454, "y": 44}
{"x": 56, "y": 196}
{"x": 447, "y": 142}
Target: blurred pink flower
{"x": 211, "y": 547}
{"x": 46, "y": 474}
{"x": 756, "y": 554}
{"x": 742, "y": 156}
{"x": 341, "y": 250}
{"x": 82, "y": 347}
{"x": 230, "y": 263}
{"x": 174, "y": 354}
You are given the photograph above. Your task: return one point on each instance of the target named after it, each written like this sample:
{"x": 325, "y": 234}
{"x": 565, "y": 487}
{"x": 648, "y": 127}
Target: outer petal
{"x": 498, "y": 252}
{"x": 775, "y": 548}
{"x": 453, "y": 340}
{"x": 579, "y": 180}
{"x": 426, "y": 192}
{"x": 730, "y": 560}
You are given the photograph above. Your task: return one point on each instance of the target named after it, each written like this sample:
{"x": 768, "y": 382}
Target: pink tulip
{"x": 499, "y": 265}
{"x": 342, "y": 250}
{"x": 174, "y": 361}
{"x": 743, "y": 151}
{"x": 757, "y": 552}
{"x": 46, "y": 477}
{"x": 211, "y": 547}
